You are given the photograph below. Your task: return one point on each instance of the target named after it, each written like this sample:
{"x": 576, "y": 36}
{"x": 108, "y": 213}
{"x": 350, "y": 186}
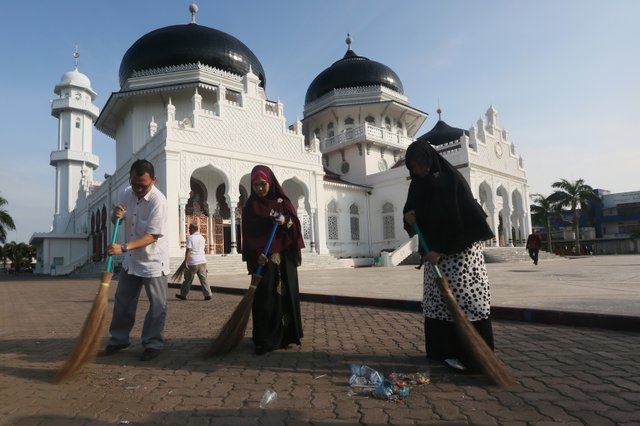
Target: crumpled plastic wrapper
{"x": 395, "y": 387}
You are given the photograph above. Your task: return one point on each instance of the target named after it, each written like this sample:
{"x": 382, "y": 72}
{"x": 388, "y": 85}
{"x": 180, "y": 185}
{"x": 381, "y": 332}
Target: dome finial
{"x": 193, "y": 8}
{"x": 439, "y": 111}
{"x": 348, "y": 41}
{"x": 76, "y": 55}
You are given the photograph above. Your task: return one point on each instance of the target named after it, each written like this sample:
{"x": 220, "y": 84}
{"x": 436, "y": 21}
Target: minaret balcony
{"x": 365, "y": 133}
{"x": 87, "y": 158}
{"x": 65, "y": 104}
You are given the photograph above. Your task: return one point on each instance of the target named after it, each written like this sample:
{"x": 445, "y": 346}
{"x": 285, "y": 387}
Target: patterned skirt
{"x": 467, "y": 275}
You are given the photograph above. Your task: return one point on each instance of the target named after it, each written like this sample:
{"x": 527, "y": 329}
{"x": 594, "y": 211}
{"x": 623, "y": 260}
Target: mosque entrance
{"x": 500, "y": 231}
{"x": 197, "y": 211}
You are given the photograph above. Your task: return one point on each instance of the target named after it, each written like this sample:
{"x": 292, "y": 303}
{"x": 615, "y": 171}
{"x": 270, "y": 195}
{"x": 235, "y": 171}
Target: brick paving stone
{"x": 565, "y": 375}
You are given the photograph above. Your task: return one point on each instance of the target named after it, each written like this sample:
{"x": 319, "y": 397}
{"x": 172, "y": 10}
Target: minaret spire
{"x": 193, "y": 8}
{"x": 76, "y": 55}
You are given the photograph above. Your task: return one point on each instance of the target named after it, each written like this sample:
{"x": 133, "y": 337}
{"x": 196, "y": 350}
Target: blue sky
{"x": 563, "y": 74}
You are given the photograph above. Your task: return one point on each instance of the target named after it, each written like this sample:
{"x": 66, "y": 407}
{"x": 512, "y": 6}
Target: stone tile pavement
{"x": 565, "y": 374}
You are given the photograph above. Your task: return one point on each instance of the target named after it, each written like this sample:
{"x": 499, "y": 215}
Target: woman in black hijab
{"x": 276, "y": 305}
{"x": 455, "y": 227}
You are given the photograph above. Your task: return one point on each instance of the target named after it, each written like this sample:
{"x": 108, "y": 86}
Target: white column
{"x": 234, "y": 244}
{"x": 211, "y": 222}
{"x": 496, "y": 223}
{"x": 507, "y": 227}
{"x": 312, "y": 227}
{"x": 183, "y": 222}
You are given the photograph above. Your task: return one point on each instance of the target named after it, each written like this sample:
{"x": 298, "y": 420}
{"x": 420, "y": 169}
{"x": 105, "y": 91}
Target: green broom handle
{"x": 269, "y": 241}
{"x": 425, "y": 247}
{"x": 113, "y": 241}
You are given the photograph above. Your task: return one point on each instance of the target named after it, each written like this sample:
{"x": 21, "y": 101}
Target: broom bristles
{"x": 89, "y": 339}
{"x": 177, "y": 276}
{"x": 233, "y": 330}
{"x": 476, "y": 345}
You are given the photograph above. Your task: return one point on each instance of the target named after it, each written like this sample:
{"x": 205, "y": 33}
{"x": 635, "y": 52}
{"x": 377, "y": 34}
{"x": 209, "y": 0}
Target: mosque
{"x": 192, "y": 101}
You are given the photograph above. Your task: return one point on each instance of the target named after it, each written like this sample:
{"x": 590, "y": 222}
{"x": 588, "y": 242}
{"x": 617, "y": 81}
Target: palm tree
{"x": 542, "y": 211}
{"x": 6, "y": 221}
{"x": 574, "y": 195}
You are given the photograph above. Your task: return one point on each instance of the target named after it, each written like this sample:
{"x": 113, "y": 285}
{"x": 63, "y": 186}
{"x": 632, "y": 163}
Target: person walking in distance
{"x": 196, "y": 264}
{"x": 142, "y": 208}
{"x": 534, "y": 243}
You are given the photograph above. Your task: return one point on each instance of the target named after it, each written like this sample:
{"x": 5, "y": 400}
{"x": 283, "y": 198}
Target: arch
{"x": 209, "y": 178}
{"x": 485, "y": 197}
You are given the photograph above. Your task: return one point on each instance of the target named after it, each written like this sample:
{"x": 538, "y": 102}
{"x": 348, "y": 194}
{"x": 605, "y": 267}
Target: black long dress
{"x": 276, "y": 307}
{"x": 276, "y": 304}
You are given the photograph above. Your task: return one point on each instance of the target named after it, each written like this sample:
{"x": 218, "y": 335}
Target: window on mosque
{"x": 330, "y": 132}
{"x": 306, "y": 227}
{"x": 348, "y": 121}
{"x": 388, "y": 227}
{"x": 332, "y": 227}
{"x": 354, "y": 222}
{"x": 332, "y": 220}
{"x": 387, "y": 123}
{"x": 233, "y": 97}
{"x": 370, "y": 119}
{"x": 77, "y": 123}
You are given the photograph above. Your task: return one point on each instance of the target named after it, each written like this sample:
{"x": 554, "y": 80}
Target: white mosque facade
{"x": 204, "y": 121}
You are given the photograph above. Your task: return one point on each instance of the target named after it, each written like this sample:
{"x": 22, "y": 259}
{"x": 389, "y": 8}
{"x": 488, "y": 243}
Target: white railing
{"x": 401, "y": 253}
{"x": 367, "y": 132}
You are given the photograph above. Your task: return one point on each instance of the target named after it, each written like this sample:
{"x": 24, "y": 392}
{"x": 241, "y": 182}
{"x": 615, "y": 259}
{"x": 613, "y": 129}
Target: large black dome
{"x": 189, "y": 44}
{"x": 352, "y": 71}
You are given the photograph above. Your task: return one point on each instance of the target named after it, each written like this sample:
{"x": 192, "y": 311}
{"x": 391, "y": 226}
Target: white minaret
{"x": 73, "y": 160}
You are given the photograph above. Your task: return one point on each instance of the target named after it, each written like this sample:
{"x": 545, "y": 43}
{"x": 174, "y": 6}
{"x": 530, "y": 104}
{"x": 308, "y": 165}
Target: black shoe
{"x": 112, "y": 349}
{"x": 149, "y": 354}
{"x": 207, "y": 298}
{"x": 181, "y": 297}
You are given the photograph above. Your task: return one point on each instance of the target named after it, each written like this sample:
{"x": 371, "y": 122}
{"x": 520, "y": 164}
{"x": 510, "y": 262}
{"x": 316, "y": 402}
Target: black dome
{"x": 189, "y": 44}
{"x": 353, "y": 71}
{"x": 442, "y": 133}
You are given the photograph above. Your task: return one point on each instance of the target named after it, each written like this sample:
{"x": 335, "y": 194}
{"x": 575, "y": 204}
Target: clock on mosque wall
{"x": 498, "y": 149}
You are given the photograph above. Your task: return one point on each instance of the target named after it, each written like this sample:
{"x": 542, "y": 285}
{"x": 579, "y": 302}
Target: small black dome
{"x": 353, "y": 71}
{"x": 189, "y": 44}
{"x": 442, "y": 133}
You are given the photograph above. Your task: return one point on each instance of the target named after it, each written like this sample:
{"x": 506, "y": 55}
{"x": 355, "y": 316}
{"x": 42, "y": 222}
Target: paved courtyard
{"x": 565, "y": 374}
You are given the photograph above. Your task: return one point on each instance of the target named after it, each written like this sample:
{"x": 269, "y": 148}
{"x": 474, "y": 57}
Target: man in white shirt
{"x": 142, "y": 208}
{"x": 196, "y": 264}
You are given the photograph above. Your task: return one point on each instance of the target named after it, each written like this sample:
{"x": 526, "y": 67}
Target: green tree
{"x": 573, "y": 195}
{"x": 6, "y": 221}
{"x": 542, "y": 211}
{"x": 19, "y": 254}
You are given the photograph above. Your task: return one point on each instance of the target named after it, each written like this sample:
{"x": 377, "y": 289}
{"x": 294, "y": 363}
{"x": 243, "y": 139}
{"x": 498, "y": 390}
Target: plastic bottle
{"x": 268, "y": 397}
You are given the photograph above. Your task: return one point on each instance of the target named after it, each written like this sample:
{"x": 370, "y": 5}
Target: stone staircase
{"x": 233, "y": 264}
{"x": 513, "y": 254}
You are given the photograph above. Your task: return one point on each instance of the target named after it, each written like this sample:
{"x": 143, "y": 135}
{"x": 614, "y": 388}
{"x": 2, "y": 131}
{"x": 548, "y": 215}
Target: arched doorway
{"x": 197, "y": 210}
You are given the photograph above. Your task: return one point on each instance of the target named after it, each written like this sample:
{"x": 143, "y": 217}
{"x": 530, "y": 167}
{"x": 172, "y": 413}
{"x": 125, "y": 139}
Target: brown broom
{"x": 179, "y": 274}
{"x": 469, "y": 336}
{"x": 89, "y": 339}
{"x": 233, "y": 330}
